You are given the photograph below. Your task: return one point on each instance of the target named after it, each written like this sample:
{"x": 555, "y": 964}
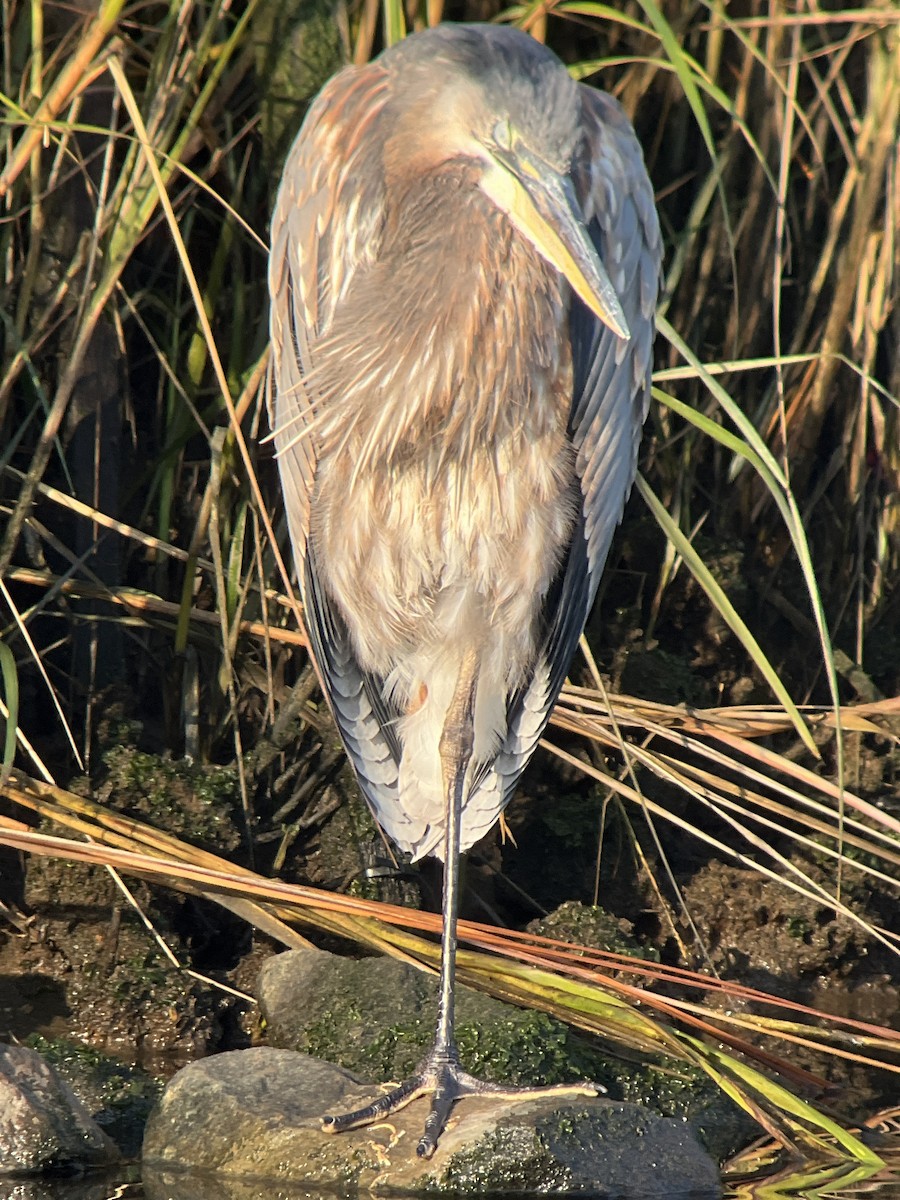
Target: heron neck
{"x": 468, "y": 347}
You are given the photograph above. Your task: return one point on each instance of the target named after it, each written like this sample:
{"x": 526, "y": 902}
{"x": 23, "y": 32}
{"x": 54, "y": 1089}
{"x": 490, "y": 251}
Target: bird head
{"x": 495, "y": 98}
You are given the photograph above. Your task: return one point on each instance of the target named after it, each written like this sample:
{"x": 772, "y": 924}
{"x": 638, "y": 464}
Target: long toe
{"x": 446, "y": 1082}
{"x": 451, "y": 1083}
{"x": 447, "y": 1091}
{"x": 390, "y": 1102}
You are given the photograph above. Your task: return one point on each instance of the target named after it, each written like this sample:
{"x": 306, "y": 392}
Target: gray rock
{"x": 375, "y": 1016}
{"x": 118, "y": 1095}
{"x": 252, "y": 1117}
{"x": 43, "y": 1125}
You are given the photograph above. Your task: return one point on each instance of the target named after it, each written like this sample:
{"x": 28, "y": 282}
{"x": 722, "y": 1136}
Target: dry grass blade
{"x": 595, "y": 716}
{"x": 144, "y": 606}
{"x": 714, "y": 757}
{"x": 572, "y": 982}
{"x": 77, "y": 74}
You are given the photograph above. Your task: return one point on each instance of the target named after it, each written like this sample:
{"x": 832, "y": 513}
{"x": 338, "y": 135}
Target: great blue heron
{"x": 464, "y": 270}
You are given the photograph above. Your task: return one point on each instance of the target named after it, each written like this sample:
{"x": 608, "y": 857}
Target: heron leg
{"x": 455, "y": 748}
{"x": 441, "y": 1075}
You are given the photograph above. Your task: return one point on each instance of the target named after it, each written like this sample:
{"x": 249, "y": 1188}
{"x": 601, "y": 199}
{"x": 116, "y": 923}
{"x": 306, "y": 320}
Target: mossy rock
{"x": 376, "y": 1017}
{"x": 235, "y": 1120}
{"x": 590, "y": 925}
{"x": 118, "y": 1095}
{"x": 298, "y": 47}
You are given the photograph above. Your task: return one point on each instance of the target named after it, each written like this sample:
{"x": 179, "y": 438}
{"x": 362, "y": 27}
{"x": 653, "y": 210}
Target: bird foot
{"x": 443, "y": 1078}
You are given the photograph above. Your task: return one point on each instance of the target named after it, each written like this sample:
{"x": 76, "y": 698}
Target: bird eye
{"x": 503, "y": 134}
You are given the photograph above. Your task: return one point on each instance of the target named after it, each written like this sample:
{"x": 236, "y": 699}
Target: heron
{"x": 464, "y": 269}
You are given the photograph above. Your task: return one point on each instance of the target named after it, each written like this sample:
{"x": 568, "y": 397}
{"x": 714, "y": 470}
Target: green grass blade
{"x": 11, "y": 700}
{"x": 793, "y": 1106}
{"x": 394, "y": 22}
{"x": 743, "y": 423}
{"x": 725, "y": 608}
{"x": 779, "y": 487}
{"x": 718, "y": 433}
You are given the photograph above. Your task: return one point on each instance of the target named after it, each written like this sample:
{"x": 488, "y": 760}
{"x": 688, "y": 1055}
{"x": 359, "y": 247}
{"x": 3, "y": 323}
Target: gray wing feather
{"x": 611, "y": 393}
{"x": 324, "y": 231}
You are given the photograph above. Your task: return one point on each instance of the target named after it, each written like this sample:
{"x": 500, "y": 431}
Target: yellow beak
{"x": 542, "y": 205}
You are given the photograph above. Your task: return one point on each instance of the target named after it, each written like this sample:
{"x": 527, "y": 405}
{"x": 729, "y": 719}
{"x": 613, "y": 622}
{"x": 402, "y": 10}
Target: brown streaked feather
{"x": 325, "y": 226}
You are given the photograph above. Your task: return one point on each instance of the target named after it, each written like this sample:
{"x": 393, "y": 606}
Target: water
{"x": 128, "y": 1185}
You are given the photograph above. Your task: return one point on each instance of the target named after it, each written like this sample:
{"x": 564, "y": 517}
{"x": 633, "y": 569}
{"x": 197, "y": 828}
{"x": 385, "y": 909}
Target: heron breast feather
{"x": 417, "y": 558}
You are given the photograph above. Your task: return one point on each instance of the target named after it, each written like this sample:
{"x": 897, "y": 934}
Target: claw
{"x": 442, "y": 1077}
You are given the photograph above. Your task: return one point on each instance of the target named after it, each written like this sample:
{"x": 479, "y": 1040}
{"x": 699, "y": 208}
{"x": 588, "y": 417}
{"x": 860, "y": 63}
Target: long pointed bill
{"x": 542, "y": 206}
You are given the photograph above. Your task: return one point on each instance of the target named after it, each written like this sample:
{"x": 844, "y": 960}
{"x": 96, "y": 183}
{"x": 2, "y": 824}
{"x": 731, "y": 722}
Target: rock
{"x": 43, "y": 1125}
{"x": 255, "y": 1115}
{"x": 118, "y": 1095}
{"x": 590, "y": 925}
{"x": 375, "y": 1016}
